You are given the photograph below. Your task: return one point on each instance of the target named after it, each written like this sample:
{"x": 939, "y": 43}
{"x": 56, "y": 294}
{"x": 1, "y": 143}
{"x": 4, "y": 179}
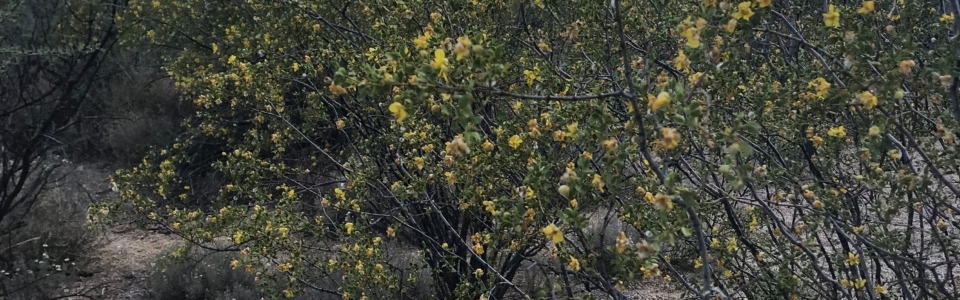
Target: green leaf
{"x": 752, "y": 127}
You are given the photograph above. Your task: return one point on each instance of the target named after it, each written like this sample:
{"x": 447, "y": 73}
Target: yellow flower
{"x": 340, "y": 194}
{"x": 398, "y": 110}
{"x": 234, "y": 264}
{"x": 868, "y": 100}
{"x": 553, "y": 232}
{"x": 288, "y": 293}
{"x": 489, "y": 206}
{"x": 349, "y": 228}
{"x": 764, "y": 3}
{"x": 692, "y": 34}
{"x": 732, "y": 245}
{"x": 544, "y": 47}
{"x": 515, "y": 141}
{"x": 463, "y": 47}
{"x": 574, "y": 264}
{"x": 681, "y": 62}
{"x": 572, "y": 129}
{"x": 832, "y": 17}
{"x": 947, "y": 18}
{"x": 817, "y": 140}
{"x": 530, "y": 213}
{"x": 754, "y": 223}
{"x": 894, "y": 154}
{"x": 853, "y": 259}
{"x": 662, "y": 100}
{"x": 597, "y": 182}
{"x": 821, "y": 85}
{"x": 421, "y": 41}
{"x": 709, "y": 3}
{"x": 866, "y": 8}
{"x": 859, "y": 283}
{"x": 487, "y": 145}
{"x": 478, "y": 248}
{"x": 698, "y": 263}
{"x": 906, "y": 66}
{"x": 662, "y": 202}
{"x": 390, "y": 231}
{"x": 743, "y": 11}
{"x": 880, "y": 290}
{"x": 337, "y": 90}
{"x": 238, "y": 237}
{"x": 532, "y": 75}
{"x": 440, "y": 63}
{"x": 418, "y": 161}
{"x": 559, "y": 136}
{"x": 817, "y": 204}
{"x": 573, "y": 203}
{"x": 837, "y": 132}
{"x": 671, "y": 139}
{"x": 284, "y": 267}
{"x": 649, "y": 197}
{"x": 451, "y": 179}
{"x": 695, "y": 77}
{"x": 731, "y": 25}
{"x": 610, "y": 144}
{"x": 622, "y": 242}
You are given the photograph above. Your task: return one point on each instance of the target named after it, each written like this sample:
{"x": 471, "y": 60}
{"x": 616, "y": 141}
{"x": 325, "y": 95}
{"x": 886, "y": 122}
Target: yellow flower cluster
{"x": 660, "y": 101}
{"x": 743, "y": 11}
{"x": 553, "y": 233}
{"x": 832, "y": 17}
{"x": 691, "y": 31}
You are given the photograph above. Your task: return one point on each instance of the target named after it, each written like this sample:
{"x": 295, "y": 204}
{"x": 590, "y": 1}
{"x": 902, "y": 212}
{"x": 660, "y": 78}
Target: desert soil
{"x": 122, "y": 264}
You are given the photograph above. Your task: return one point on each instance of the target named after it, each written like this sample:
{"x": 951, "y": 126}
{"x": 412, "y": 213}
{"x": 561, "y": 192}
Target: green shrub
{"x": 200, "y": 275}
{"x": 782, "y": 149}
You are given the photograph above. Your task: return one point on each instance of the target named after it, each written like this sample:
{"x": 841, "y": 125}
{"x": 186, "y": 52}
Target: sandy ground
{"x": 122, "y": 264}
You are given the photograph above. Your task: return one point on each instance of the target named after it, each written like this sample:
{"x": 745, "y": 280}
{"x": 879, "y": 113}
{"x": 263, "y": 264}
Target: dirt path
{"x": 122, "y": 264}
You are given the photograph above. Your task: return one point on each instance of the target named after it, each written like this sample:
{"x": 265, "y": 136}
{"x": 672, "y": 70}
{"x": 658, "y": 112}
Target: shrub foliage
{"x": 801, "y": 149}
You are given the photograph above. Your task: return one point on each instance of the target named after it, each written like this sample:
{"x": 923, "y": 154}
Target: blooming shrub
{"x": 804, "y": 150}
